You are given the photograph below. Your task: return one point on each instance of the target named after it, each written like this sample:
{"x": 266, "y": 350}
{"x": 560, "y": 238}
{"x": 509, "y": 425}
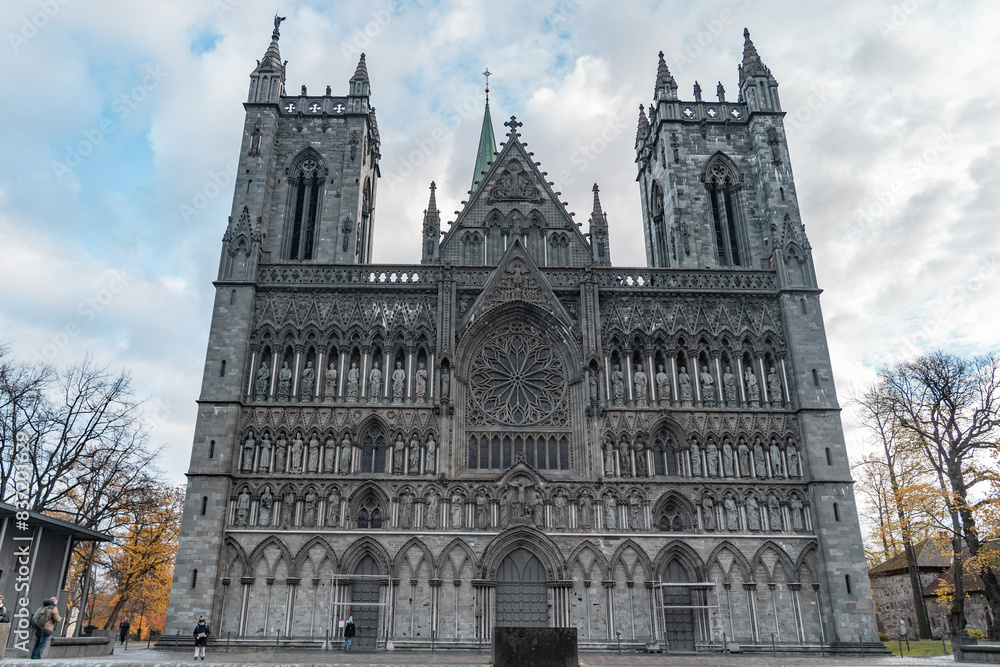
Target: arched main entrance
{"x": 678, "y": 616}
{"x": 364, "y": 608}
{"x": 522, "y": 597}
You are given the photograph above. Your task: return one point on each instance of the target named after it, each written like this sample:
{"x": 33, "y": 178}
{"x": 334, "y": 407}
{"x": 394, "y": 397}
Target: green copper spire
{"x": 487, "y": 143}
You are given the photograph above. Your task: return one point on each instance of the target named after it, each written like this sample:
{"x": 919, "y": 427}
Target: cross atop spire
{"x": 513, "y": 124}
{"x": 487, "y": 74}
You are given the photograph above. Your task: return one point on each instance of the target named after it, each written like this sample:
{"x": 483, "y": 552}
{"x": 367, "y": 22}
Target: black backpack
{"x": 38, "y": 618}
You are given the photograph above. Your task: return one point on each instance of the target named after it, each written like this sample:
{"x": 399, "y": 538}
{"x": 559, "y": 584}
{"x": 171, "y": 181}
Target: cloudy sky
{"x": 123, "y": 119}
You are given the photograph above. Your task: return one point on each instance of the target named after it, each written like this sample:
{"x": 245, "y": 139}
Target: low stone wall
{"x": 78, "y": 647}
{"x": 971, "y": 651}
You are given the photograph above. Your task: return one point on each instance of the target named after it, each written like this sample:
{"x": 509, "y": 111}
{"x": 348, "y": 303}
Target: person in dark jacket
{"x": 123, "y": 629}
{"x": 201, "y": 633}
{"x": 4, "y": 614}
{"x": 348, "y": 633}
{"x": 43, "y": 633}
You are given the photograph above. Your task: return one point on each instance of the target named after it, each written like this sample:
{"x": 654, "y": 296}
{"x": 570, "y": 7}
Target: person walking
{"x": 4, "y": 614}
{"x": 46, "y": 624}
{"x": 348, "y": 633}
{"x": 201, "y": 633}
{"x": 123, "y": 629}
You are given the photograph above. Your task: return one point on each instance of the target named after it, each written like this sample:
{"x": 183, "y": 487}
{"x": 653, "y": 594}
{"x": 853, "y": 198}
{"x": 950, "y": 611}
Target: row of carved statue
{"x": 688, "y": 395}
{"x": 310, "y": 388}
{"x": 343, "y": 457}
{"x": 628, "y": 457}
{"x": 521, "y": 503}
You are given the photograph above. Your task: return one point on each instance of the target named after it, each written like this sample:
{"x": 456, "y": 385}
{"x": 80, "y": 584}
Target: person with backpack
{"x": 44, "y": 622}
{"x": 348, "y": 633}
{"x": 201, "y": 633}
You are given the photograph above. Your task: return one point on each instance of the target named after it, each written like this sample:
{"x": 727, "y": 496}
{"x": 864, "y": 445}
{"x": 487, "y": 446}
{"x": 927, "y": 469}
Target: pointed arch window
{"x": 659, "y": 230}
{"x": 370, "y": 515}
{"x": 306, "y": 188}
{"x": 373, "y": 451}
{"x": 723, "y": 183}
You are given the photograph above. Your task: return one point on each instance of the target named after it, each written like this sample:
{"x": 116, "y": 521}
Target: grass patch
{"x": 919, "y": 649}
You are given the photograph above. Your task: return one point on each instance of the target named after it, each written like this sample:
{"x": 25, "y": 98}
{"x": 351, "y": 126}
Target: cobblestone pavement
{"x": 148, "y": 657}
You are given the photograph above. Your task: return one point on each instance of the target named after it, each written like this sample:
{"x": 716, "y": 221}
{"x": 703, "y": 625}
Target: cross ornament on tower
{"x": 513, "y": 124}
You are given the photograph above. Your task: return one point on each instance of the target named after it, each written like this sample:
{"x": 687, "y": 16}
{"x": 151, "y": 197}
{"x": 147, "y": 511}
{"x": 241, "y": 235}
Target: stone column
{"x": 784, "y": 377}
{"x": 762, "y": 380}
{"x": 389, "y": 360}
{"x": 672, "y": 370}
{"x": 629, "y": 389}
{"x": 740, "y": 382}
{"x": 693, "y": 373}
{"x": 751, "y": 589}
{"x": 341, "y": 379}
{"x": 435, "y": 585}
{"x": 720, "y": 398}
{"x": 292, "y": 584}
{"x": 607, "y": 379}
{"x": 293, "y": 393}
{"x": 652, "y": 394}
{"x": 366, "y": 353}
{"x": 609, "y": 601}
{"x": 411, "y": 353}
{"x": 797, "y": 610}
{"x": 274, "y": 376}
{"x": 254, "y": 351}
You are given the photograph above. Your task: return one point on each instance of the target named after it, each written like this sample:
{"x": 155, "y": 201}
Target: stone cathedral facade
{"x": 514, "y": 431}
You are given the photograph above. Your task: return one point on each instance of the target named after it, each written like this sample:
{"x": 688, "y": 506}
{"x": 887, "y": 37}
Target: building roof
{"x": 487, "y": 148}
{"x": 57, "y": 525}
{"x": 932, "y": 554}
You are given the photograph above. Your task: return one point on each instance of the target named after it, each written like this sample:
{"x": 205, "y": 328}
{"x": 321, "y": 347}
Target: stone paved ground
{"x": 146, "y": 658}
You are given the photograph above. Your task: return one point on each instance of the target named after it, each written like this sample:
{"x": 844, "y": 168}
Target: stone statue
{"x": 753, "y": 391}
{"x": 398, "y": 382}
{"x": 414, "y": 456}
{"x": 618, "y": 386}
{"x": 345, "y": 455}
{"x": 330, "y": 390}
{"x": 639, "y": 449}
{"x": 758, "y": 458}
{"x": 732, "y": 515}
{"x": 559, "y": 504}
{"x": 333, "y": 509}
{"x": 592, "y": 382}
{"x": 445, "y": 380}
{"x": 398, "y": 452}
{"x": 288, "y": 510}
{"x": 457, "y": 509}
{"x": 776, "y": 467}
{"x": 640, "y": 388}
{"x": 353, "y": 375}
{"x": 309, "y": 510}
{"x": 284, "y": 382}
{"x": 774, "y": 388}
{"x": 743, "y": 451}
{"x": 295, "y": 465}
{"x": 406, "y": 511}
{"x": 330, "y": 455}
{"x": 264, "y": 465}
{"x": 792, "y": 453}
{"x": 609, "y": 459}
{"x": 684, "y": 381}
{"x": 707, "y": 387}
{"x": 796, "y": 505}
{"x": 313, "y": 454}
{"x": 280, "y": 453}
{"x": 695, "y": 459}
{"x": 727, "y": 459}
{"x": 708, "y": 513}
{"x": 308, "y": 383}
{"x": 430, "y": 457}
{"x": 729, "y": 382}
{"x": 753, "y": 513}
{"x": 421, "y": 382}
{"x": 610, "y": 513}
{"x": 248, "y": 451}
{"x": 585, "y": 518}
{"x": 260, "y": 385}
{"x": 264, "y": 510}
{"x": 375, "y": 385}
{"x": 663, "y": 386}
{"x": 505, "y": 508}
{"x": 634, "y": 512}
{"x": 538, "y": 515}
{"x": 431, "y": 511}
{"x": 242, "y": 508}
{"x": 481, "y": 518}
{"x": 774, "y": 513}
{"x": 712, "y": 459}
{"x": 277, "y": 22}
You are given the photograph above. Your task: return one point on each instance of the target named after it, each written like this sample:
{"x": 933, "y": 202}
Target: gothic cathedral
{"x": 513, "y": 431}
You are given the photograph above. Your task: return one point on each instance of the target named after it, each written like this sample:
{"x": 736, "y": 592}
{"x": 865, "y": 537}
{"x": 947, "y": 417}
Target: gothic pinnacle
{"x": 664, "y": 81}
{"x": 642, "y": 131}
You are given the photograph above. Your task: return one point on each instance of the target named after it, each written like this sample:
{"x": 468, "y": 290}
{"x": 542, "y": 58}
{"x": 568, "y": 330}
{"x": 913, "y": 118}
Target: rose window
{"x": 517, "y": 378}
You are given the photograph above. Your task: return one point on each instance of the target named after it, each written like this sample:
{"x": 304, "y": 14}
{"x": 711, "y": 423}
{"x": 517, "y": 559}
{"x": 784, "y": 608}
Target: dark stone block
{"x": 535, "y": 647}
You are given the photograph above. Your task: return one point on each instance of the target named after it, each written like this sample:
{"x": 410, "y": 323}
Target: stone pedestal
{"x": 535, "y": 647}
